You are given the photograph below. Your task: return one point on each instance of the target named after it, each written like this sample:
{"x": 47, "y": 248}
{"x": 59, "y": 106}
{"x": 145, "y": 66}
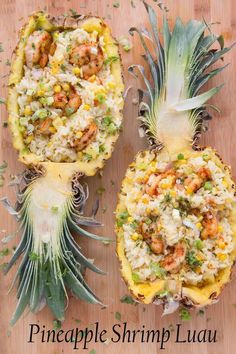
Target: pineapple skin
{"x": 191, "y": 296}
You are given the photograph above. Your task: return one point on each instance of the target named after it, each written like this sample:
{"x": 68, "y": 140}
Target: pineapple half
{"x": 176, "y": 215}
{"x": 65, "y": 111}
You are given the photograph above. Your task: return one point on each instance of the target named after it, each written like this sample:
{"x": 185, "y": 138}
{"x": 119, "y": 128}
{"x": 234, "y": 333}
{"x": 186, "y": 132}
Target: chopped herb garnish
{"x": 93, "y": 351}
{"x": 199, "y": 244}
{"x": 118, "y": 316}
{"x": 135, "y": 278}
{"x": 56, "y": 325}
{"x": 88, "y": 157}
{"x": 122, "y": 218}
{"x": 127, "y": 299}
{"x": 148, "y": 221}
{"x": 54, "y": 209}
{"x": 77, "y": 321}
{"x": 208, "y": 186}
{"x": 201, "y": 312}
{"x": 111, "y": 60}
{"x": 63, "y": 67}
{"x": 116, "y": 4}
{"x": 33, "y": 256}
{"x": 4, "y": 252}
{"x": 192, "y": 260}
{"x": 8, "y": 63}
{"x": 102, "y": 148}
{"x": 101, "y": 98}
{"x": 100, "y": 190}
{"x": 2, "y": 100}
{"x": 158, "y": 270}
{"x": 1, "y": 48}
{"x": 180, "y": 156}
{"x": 184, "y": 314}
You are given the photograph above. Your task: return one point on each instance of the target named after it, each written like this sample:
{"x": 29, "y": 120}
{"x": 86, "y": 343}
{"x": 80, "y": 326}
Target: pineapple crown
{"x": 171, "y": 109}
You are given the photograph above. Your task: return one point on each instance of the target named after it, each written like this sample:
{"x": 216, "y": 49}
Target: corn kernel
{"x": 76, "y": 70}
{"x": 40, "y": 92}
{"x": 111, "y": 85}
{"x": 79, "y": 134}
{"x": 86, "y": 107}
{"x": 49, "y": 144}
{"x": 189, "y": 190}
{"x": 148, "y": 210}
{"x": 27, "y": 111}
{"x": 221, "y": 245}
{"x": 80, "y": 155}
{"x": 57, "y": 88}
{"x": 173, "y": 193}
{"x": 130, "y": 219}
{"x": 199, "y": 225}
{"x": 135, "y": 236}
{"x": 144, "y": 200}
{"x": 220, "y": 228}
{"x": 66, "y": 87}
{"x": 52, "y": 129}
{"x": 221, "y": 256}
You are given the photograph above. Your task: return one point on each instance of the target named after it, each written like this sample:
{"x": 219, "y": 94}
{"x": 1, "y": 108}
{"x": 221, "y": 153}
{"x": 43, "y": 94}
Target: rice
{"x": 36, "y": 92}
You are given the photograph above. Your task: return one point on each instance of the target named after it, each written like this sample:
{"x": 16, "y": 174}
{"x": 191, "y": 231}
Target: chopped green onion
{"x": 118, "y": 316}
{"x": 127, "y": 299}
{"x": 135, "y": 278}
{"x": 184, "y": 314}
{"x": 199, "y": 244}
{"x": 208, "y": 186}
{"x": 158, "y": 270}
{"x": 180, "y": 156}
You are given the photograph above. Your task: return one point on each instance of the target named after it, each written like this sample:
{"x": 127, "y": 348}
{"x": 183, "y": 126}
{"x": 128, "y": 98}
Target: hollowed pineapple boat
{"x": 65, "y": 101}
{"x": 176, "y": 215}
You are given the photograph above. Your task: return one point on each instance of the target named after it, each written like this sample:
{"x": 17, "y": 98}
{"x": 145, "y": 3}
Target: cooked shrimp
{"x": 210, "y": 226}
{"x": 194, "y": 183}
{"x": 157, "y": 244}
{"x": 43, "y": 127}
{"x": 152, "y": 184}
{"x": 37, "y": 48}
{"x": 89, "y": 57}
{"x": 87, "y": 137}
{"x": 154, "y": 180}
{"x": 204, "y": 173}
{"x": 60, "y": 100}
{"x": 74, "y": 101}
{"x": 172, "y": 262}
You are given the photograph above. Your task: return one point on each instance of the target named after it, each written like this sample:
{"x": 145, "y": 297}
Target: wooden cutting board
{"x": 221, "y": 316}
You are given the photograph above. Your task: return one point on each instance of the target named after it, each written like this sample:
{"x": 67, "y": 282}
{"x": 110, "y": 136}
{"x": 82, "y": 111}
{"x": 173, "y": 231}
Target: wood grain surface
{"x": 110, "y": 288}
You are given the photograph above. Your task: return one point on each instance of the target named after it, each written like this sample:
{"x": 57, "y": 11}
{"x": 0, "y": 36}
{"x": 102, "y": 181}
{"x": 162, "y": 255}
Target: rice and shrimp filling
{"x": 66, "y": 98}
{"x": 176, "y": 221}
